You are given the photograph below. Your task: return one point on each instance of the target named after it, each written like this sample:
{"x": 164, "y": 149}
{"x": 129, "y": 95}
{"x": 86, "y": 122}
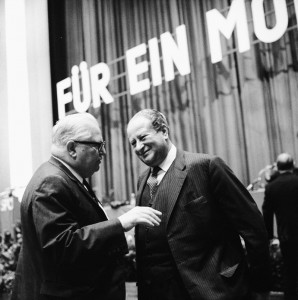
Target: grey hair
{"x": 72, "y": 127}
{"x": 158, "y": 119}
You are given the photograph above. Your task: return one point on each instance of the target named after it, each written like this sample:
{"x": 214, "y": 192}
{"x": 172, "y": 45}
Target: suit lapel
{"x": 94, "y": 201}
{"x": 171, "y": 187}
{"x": 143, "y": 181}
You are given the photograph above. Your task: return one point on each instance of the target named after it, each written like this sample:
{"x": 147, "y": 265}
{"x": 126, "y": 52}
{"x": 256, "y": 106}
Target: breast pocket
{"x": 199, "y": 209}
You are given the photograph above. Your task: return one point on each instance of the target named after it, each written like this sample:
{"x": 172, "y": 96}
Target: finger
{"x": 153, "y": 212}
{"x": 147, "y": 223}
{"x": 148, "y": 209}
{"x": 154, "y": 220}
{"x": 156, "y": 217}
{"x": 147, "y": 220}
{"x": 156, "y": 212}
{"x": 151, "y": 215}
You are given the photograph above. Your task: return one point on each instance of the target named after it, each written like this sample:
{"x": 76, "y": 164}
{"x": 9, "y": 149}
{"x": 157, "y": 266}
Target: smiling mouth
{"x": 145, "y": 152}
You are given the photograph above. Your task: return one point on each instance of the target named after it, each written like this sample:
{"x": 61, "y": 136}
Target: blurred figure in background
{"x": 281, "y": 199}
{"x": 7, "y": 240}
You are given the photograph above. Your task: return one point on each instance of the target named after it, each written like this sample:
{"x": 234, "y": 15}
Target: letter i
{"x": 80, "y": 106}
{"x": 85, "y": 78}
{"x": 75, "y": 81}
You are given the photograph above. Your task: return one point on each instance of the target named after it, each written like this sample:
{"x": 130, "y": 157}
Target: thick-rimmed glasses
{"x": 99, "y": 146}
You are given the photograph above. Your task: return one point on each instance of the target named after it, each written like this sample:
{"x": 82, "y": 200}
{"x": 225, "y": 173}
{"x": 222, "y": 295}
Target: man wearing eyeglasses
{"x": 70, "y": 249}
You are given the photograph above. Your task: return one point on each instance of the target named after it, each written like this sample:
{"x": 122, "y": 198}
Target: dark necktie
{"x": 86, "y": 184}
{"x": 152, "y": 181}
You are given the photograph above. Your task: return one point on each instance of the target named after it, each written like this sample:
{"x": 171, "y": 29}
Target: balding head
{"x": 285, "y": 162}
{"x": 76, "y": 139}
{"x": 158, "y": 120}
{"x": 75, "y": 127}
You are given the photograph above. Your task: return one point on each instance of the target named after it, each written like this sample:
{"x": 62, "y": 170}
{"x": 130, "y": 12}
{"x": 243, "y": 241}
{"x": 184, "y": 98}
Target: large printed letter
{"x": 217, "y": 23}
{"x": 175, "y": 53}
{"x": 154, "y": 62}
{"x": 296, "y": 10}
{"x": 281, "y": 15}
{"x": 99, "y": 86}
{"x": 80, "y": 106}
{"x": 134, "y": 69}
{"x": 63, "y": 98}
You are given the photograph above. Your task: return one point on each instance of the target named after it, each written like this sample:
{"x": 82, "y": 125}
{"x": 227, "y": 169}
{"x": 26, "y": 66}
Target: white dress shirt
{"x": 165, "y": 165}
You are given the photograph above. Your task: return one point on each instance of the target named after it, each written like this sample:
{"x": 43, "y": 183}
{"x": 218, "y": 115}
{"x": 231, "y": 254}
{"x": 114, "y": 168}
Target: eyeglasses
{"x": 99, "y": 146}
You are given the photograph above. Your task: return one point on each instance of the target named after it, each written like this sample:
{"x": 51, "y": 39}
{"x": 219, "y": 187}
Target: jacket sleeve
{"x": 64, "y": 240}
{"x": 240, "y": 210}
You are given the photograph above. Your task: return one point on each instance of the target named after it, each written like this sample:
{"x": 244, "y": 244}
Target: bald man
{"x": 281, "y": 199}
{"x": 70, "y": 249}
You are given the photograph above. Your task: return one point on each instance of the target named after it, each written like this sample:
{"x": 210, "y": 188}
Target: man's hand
{"x": 140, "y": 215}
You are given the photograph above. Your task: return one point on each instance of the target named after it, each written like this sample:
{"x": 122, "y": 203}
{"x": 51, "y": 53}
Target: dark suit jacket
{"x": 208, "y": 209}
{"x": 70, "y": 250}
{"x": 281, "y": 199}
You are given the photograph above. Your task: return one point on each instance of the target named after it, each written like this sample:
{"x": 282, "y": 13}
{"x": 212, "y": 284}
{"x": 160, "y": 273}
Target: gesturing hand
{"x": 140, "y": 215}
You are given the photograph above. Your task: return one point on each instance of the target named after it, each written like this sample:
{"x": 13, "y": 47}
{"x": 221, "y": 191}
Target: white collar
{"x": 165, "y": 165}
{"x": 78, "y": 176}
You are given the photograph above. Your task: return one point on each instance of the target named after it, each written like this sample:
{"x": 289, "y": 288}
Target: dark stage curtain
{"x": 243, "y": 108}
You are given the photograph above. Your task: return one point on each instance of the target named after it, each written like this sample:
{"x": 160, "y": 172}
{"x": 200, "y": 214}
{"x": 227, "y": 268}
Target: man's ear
{"x": 165, "y": 131}
{"x": 71, "y": 149}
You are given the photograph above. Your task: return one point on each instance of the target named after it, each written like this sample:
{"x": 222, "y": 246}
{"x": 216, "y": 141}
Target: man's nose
{"x": 139, "y": 146}
{"x": 103, "y": 151}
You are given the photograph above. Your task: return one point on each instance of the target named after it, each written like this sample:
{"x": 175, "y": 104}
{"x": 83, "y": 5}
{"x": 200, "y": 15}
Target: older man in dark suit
{"x": 281, "y": 199}
{"x": 196, "y": 253}
{"x": 70, "y": 249}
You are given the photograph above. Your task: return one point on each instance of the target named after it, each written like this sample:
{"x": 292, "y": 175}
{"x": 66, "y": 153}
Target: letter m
{"x": 217, "y": 23}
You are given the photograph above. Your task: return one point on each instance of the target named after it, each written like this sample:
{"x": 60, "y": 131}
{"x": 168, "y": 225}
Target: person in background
{"x": 70, "y": 250}
{"x": 7, "y": 239}
{"x": 196, "y": 252}
{"x": 281, "y": 199}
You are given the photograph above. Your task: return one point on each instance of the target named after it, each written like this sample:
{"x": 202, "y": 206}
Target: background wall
{"x": 26, "y": 115}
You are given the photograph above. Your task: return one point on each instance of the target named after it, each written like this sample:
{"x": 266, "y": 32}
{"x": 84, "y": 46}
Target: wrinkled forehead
{"x": 138, "y": 125}
{"x": 139, "y": 121}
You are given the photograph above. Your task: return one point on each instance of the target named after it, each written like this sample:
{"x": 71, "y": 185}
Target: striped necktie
{"x": 152, "y": 181}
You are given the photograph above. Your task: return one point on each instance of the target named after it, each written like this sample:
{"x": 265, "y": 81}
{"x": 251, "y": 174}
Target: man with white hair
{"x": 70, "y": 249}
{"x": 281, "y": 199}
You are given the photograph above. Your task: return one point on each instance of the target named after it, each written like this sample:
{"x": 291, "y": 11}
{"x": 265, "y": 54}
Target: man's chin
{"x": 147, "y": 162}
{"x": 96, "y": 169}
{"x": 147, "y": 159}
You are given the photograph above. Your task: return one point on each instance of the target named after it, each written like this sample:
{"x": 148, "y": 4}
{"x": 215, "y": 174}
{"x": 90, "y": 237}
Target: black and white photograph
{"x": 149, "y": 150}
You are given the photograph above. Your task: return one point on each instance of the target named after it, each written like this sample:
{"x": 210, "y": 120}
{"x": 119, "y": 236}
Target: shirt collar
{"x": 285, "y": 171}
{"x": 79, "y": 177}
{"x": 165, "y": 165}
